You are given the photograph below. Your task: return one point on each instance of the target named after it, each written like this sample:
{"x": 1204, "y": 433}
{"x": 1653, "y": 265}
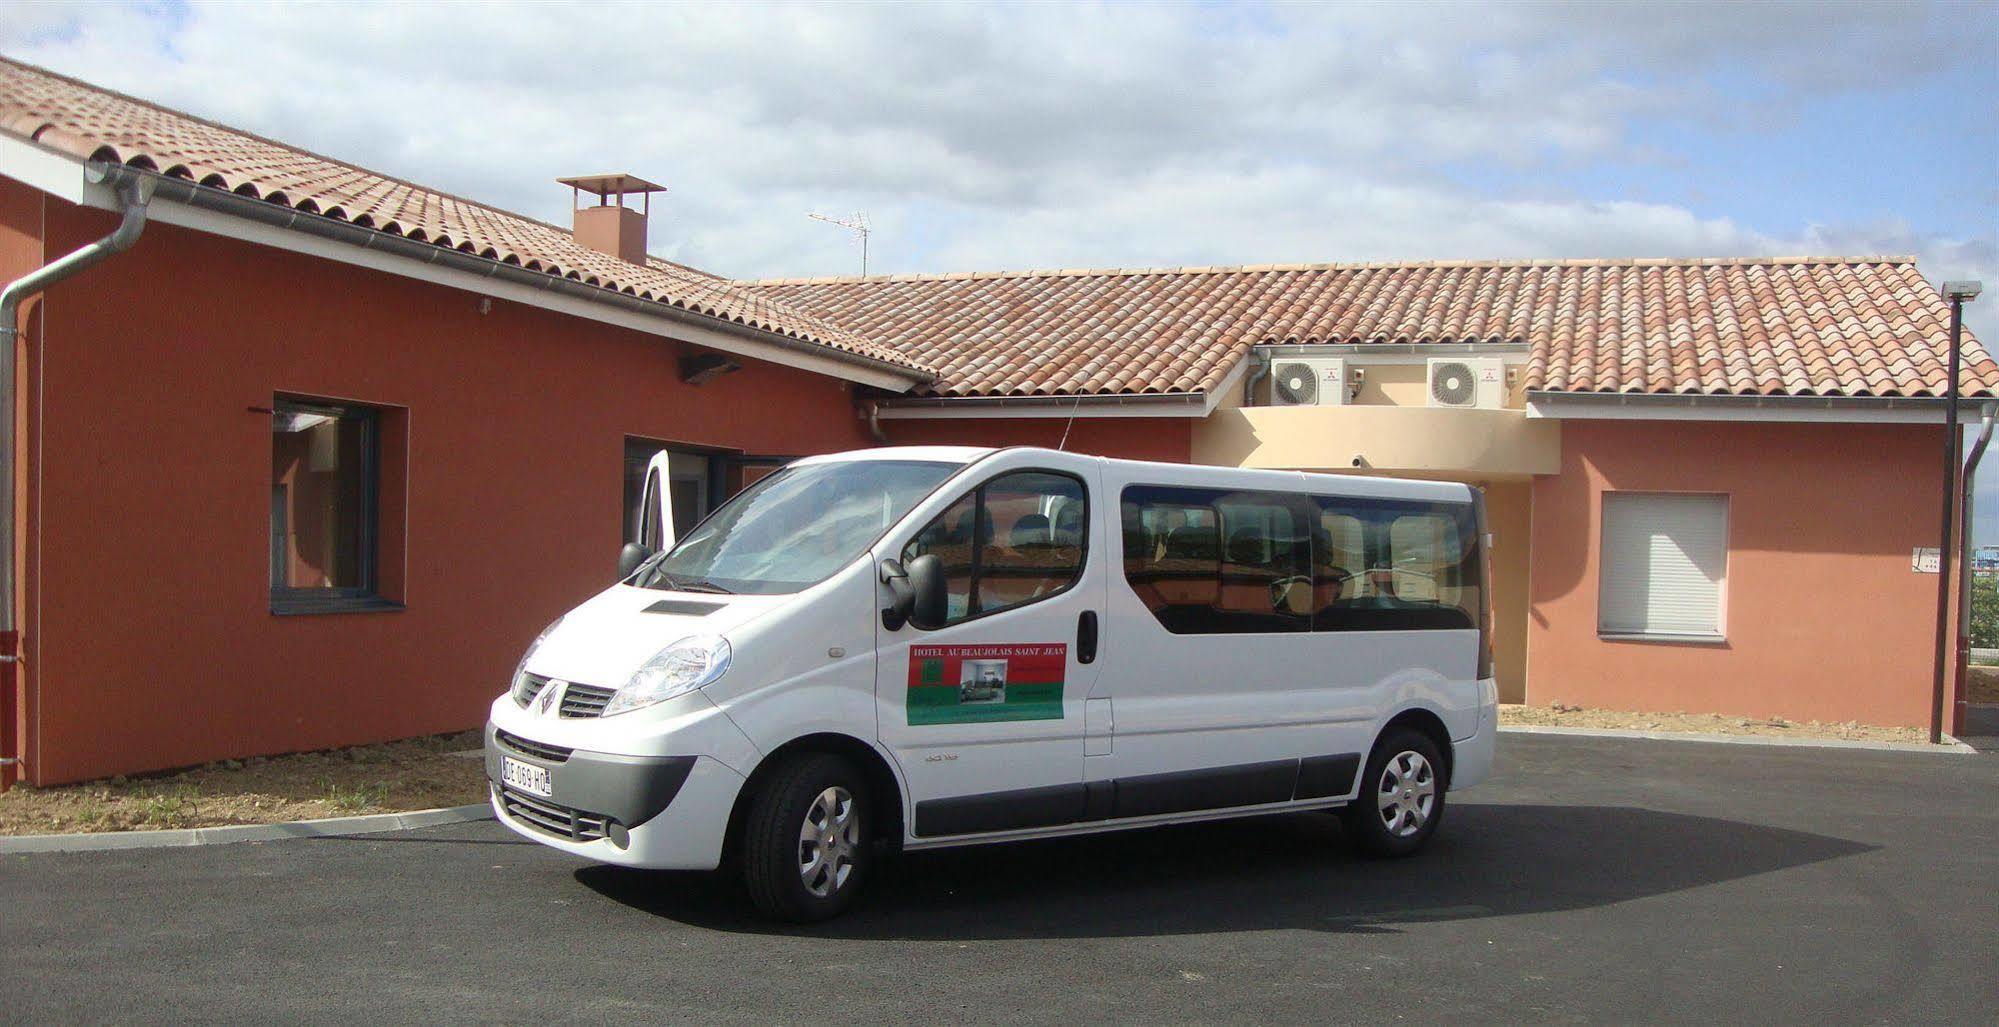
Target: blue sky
{"x": 1064, "y": 135}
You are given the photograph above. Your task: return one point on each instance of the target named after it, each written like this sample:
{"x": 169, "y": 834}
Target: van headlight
{"x": 678, "y": 669}
{"x": 521, "y": 668}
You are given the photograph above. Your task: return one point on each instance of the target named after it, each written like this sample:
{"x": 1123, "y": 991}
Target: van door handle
{"x": 1086, "y": 637}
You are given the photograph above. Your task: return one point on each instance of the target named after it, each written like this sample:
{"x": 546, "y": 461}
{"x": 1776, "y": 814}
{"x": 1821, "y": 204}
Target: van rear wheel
{"x": 1401, "y": 798}
{"x": 808, "y": 842}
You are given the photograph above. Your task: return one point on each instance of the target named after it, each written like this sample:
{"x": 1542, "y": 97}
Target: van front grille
{"x": 585, "y": 700}
{"x": 552, "y": 818}
{"x": 527, "y": 747}
{"x": 578, "y": 700}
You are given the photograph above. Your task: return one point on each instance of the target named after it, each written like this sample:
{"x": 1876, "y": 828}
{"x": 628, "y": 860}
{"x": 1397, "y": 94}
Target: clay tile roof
{"x": 1814, "y": 326}
{"x": 91, "y": 123}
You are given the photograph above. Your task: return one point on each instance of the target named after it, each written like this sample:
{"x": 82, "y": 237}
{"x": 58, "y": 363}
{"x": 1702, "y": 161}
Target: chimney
{"x": 610, "y": 226}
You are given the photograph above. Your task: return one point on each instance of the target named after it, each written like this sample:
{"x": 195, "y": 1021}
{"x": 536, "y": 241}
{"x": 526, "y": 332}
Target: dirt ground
{"x": 1701, "y": 723}
{"x": 419, "y": 773}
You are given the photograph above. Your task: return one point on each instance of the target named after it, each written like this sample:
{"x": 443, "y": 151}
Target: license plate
{"x": 525, "y": 776}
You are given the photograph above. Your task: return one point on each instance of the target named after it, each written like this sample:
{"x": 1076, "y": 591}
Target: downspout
{"x": 133, "y": 195}
{"x": 871, "y": 410}
{"x": 1986, "y": 417}
{"x": 1256, "y": 375}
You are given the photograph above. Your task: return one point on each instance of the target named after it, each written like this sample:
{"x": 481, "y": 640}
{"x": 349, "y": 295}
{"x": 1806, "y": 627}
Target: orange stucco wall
{"x": 150, "y": 638}
{"x": 20, "y": 253}
{"x": 1823, "y": 617}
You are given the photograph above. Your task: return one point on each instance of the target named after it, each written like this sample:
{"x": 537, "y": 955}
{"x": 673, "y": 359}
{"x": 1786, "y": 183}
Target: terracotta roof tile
{"x": 1814, "y": 326}
{"x": 96, "y": 124}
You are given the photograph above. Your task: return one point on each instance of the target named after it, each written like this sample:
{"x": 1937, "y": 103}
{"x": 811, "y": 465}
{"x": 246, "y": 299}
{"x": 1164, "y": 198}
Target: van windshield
{"x": 794, "y": 527}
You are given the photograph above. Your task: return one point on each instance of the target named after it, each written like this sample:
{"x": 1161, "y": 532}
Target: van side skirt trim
{"x": 1182, "y": 791}
{"x": 1326, "y": 777}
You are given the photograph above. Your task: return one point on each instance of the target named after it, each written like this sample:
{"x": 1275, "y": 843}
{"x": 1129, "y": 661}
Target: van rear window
{"x": 1214, "y": 561}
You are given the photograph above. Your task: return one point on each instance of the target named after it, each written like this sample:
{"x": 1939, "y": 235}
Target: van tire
{"x": 1402, "y": 766}
{"x": 806, "y": 785}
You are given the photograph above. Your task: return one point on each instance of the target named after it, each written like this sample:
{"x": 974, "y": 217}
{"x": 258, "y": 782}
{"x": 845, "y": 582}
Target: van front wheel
{"x": 807, "y": 843}
{"x": 1401, "y": 796}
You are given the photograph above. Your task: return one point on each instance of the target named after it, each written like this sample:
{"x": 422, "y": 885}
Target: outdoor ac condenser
{"x": 1308, "y": 381}
{"x": 1467, "y": 382}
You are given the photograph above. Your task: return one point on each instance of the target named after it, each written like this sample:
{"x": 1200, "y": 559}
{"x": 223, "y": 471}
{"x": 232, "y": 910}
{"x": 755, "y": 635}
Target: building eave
{"x": 218, "y": 212}
{"x": 1192, "y": 403}
{"x": 1645, "y": 406}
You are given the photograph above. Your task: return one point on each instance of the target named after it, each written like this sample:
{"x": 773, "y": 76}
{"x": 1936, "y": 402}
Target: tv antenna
{"x": 858, "y": 224}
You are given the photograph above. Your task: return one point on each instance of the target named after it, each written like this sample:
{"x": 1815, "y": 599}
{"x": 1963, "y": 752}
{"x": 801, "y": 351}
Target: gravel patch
{"x": 414, "y": 774}
{"x": 1701, "y": 723}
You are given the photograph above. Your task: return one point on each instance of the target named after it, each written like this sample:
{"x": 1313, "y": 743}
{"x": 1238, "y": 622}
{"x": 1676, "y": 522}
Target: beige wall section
{"x": 1431, "y": 440}
{"x": 1405, "y": 383}
{"x": 1401, "y": 385}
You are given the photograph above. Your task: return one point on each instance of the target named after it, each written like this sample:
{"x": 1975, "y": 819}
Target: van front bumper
{"x": 662, "y": 812}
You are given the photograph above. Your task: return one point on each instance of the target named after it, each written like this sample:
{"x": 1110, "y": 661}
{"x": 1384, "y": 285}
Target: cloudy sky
{"x": 1056, "y": 135}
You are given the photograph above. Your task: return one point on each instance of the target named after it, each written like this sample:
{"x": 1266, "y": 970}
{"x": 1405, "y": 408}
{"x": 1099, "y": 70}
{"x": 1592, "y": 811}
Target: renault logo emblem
{"x": 549, "y": 703}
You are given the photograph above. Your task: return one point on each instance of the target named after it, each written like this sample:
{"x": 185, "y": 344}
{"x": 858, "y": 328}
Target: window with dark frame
{"x": 1015, "y": 540}
{"x": 692, "y": 482}
{"x": 1212, "y": 561}
{"x": 325, "y": 488}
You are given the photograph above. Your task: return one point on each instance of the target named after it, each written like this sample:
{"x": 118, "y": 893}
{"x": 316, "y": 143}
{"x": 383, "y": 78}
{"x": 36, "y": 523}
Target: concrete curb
{"x": 1950, "y": 746}
{"x": 329, "y": 827}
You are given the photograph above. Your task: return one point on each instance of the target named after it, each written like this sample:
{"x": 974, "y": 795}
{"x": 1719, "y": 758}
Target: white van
{"x": 923, "y": 647}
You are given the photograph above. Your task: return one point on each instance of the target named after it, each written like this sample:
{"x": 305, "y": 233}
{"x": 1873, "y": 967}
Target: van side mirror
{"x": 917, "y": 593}
{"x": 896, "y": 614}
{"x": 630, "y": 557}
{"x": 929, "y": 603}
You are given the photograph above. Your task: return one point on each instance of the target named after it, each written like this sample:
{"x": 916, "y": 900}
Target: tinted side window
{"x": 1386, "y": 566}
{"x": 1208, "y": 561}
{"x": 1014, "y": 540}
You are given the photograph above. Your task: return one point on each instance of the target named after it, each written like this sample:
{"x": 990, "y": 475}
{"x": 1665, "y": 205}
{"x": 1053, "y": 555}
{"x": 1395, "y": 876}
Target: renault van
{"x": 923, "y": 647}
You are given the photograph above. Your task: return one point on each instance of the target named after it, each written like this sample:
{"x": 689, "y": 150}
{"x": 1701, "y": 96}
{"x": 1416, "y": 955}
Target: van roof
{"x": 1367, "y": 485}
{"x": 948, "y": 454}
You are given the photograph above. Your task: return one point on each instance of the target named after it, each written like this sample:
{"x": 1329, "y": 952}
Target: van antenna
{"x": 1063, "y": 445}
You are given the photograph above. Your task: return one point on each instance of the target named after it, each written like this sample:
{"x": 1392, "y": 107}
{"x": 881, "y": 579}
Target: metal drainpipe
{"x": 1261, "y": 371}
{"x": 1985, "y": 420}
{"x": 133, "y": 196}
{"x": 872, "y": 411}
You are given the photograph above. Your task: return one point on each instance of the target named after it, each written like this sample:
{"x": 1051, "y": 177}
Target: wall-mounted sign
{"x": 1925, "y": 561}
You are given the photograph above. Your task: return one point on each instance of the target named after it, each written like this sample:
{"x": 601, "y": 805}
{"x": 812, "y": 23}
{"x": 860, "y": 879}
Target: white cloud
{"x": 1029, "y": 135}
{"x": 1047, "y": 135}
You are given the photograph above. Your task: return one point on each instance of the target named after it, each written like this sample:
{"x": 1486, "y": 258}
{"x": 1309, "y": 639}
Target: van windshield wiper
{"x": 699, "y": 585}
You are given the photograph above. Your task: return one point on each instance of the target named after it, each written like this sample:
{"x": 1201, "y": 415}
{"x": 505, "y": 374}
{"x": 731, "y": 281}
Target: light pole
{"x": 1958, "y": 293}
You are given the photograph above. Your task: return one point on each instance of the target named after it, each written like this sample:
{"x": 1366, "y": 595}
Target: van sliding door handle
{"x": 1086, "y": 637}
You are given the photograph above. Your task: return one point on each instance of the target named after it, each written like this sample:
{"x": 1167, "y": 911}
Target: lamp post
{"x": 1958, "y": 293}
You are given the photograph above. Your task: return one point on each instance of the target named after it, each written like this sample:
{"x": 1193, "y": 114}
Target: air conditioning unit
{"x": 1467, "y": 382}
{"x": 1308, "y": 381}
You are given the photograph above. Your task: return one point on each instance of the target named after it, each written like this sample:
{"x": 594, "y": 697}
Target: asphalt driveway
{"x": 1590, "y": 880}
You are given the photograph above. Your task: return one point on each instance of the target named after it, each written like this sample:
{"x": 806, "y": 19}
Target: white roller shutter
{"x": 1664, "y": 557}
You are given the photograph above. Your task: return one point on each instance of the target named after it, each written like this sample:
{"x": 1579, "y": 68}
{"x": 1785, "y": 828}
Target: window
{"x": 1014, "y": 540}
{"x": 795, "y": 527}
{"x": 690, "y": 479}
{"x": 1391, "y": 565}
{"x": 1664, "y": 558}
{"x": 325, "y": 480}
{"x": 1208, "y": 561}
